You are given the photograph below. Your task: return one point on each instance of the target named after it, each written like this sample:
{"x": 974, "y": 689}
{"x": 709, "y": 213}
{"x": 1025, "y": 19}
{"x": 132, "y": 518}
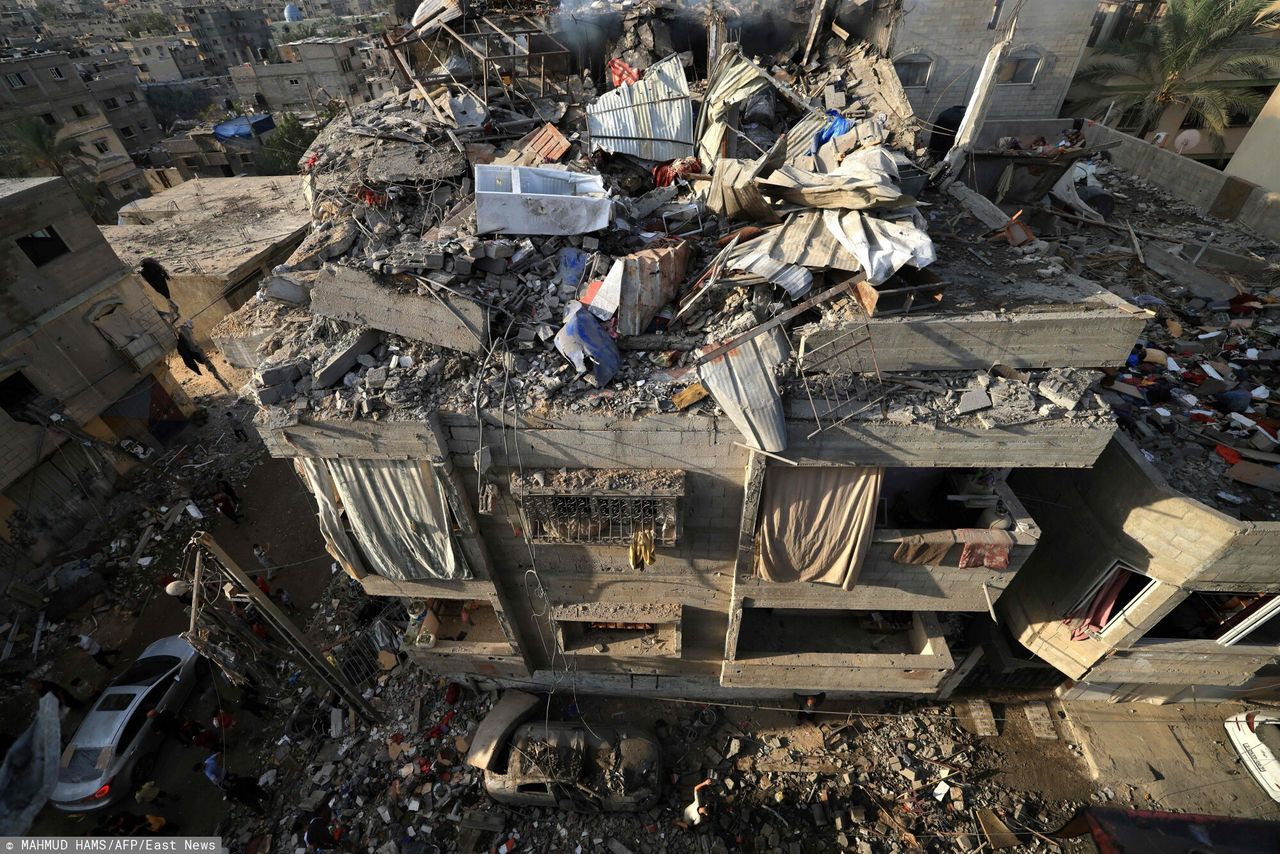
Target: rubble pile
{"x": 565, "y": 258}
{"x": 1199, "y": 394}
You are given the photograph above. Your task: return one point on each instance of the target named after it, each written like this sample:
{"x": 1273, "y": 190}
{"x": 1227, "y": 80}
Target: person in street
{"x": 179, "y": 589}
{"x": 282, "y": 598}
{"x": 225, "y": 486}
{"x": 104, "y": 657}
{"x": 268, "y": 564}
{"x": 236, "y": 429}
{"x": 697, "y": 811}
{"x": 227, "y": 507}
{"x": 151, "y": 793}
{"x": 809, "y": 704}
{"x": 169, "y": 725}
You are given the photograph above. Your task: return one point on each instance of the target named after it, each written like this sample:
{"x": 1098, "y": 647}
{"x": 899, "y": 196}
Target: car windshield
{"x": 82, "y": 767}
{"x": 116, "y": 701}
{"x": 145, "y": 671}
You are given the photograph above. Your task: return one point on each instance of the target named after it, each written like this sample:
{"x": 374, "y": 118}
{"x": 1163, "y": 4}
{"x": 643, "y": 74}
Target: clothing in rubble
{"x": 155, "y": 275}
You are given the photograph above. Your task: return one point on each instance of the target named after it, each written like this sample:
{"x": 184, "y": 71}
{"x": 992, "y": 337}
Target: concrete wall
{"x": 46, "y": 333}
{"x": 1123, "y": 510}
{"x": 954, "y": 34}
{"x": 1255, "y": 157}
{"x": 131, "y": 118}
{"x": 697, "y": 574}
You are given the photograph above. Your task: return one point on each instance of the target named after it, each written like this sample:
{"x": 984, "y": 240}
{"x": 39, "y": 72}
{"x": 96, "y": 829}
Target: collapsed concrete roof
{"x": 211, "y": 226}
{"x": 395, "y": 306}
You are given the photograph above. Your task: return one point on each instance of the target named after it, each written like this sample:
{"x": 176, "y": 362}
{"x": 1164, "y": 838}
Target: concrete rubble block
{"x": 973, "y": 400}
{"x": 286, "y": 288}
{"x": 355, "y": 296}
{"x": 528, "y": 200}
{"x": 273, "y": 394}
{"x": 280, "y": 373}
{"x": 346, "y": 358}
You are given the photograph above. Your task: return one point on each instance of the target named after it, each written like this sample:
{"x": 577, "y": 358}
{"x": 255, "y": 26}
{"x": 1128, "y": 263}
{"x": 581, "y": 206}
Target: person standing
{"x": 236, "y": 429}
{"x": 104, "y": 657}
{"x": 193, "y": 355}
{"x": 809, "y": 704}
{"x": 263, "y": 554}
{"x": 227, "y": 507}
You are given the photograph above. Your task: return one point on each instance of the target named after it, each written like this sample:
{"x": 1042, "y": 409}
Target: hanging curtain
{"x": 337, "y": 543}
{"x": 399, "y": 514}
{"x": 816, "y": 523}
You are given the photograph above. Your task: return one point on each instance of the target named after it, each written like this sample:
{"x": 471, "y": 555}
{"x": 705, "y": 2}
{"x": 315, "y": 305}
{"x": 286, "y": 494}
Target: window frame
{"x": 60, "y": 246}
{"x": 915, "y": 59}
{"x": 80, "y": 110}
{"x": 1102, "y": 581}
{"x": 1019, "y": 57}
{"x": 56, "y": 72}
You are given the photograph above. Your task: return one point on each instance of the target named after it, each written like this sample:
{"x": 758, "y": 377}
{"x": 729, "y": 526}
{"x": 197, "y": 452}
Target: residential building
{"x": 1120, "y": 20}
{"x": 227, "y": 36}
{"x": 217, "y": 237}
{"x": 1253, "y": 158}
{"x": 939, "y": 46}
{"x": 82, "y": 365}
{"x": 224, "y": 150}
{"x": 120, "y": 97}
{"x": 160, "y": 59}
{"x": 49, "y": 87}
{"x": 311, "y": 73}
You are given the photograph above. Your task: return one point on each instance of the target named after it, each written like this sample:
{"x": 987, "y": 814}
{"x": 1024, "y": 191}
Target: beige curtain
{"x": 816, "y": 523}
{"x": 399, "y": 515}
{"x": 337, "y": 543}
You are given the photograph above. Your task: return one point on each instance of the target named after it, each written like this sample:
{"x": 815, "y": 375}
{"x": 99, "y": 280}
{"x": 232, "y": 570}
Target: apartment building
{"x": 47, "y": 86}
{"x": 311, "y": 73}
{"x": 939, "y": 46}
{"x": 121, "y": 99}
{"x": 227, "y": 36}
{"x": 82, "y": 365}
{"x": 162, "y": 59}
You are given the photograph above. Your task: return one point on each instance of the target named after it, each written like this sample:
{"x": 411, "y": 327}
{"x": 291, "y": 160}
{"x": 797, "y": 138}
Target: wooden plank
{"x": 689, "y": 395}
{"x": 1255, "y": 474}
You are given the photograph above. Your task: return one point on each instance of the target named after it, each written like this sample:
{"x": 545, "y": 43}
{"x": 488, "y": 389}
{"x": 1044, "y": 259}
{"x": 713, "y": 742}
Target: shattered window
{"x": 614, "y": 506}
{"x": 42, "y": 246}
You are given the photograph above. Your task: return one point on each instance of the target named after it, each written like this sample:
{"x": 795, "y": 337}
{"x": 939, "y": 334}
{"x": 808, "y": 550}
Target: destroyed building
{"x": 217, "y": 238}
{"x": 84, "y": 387}
{"x": 673, "y": 393}
{"x": 1157, "y": 573}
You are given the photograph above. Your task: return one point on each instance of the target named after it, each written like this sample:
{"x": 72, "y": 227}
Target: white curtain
{"x": 399, "y": 514}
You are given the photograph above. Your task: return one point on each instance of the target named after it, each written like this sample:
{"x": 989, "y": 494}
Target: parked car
{"x": 116, "y": 742}
{"x": 1256, "y": 737}
{"x": 571, "y": 766}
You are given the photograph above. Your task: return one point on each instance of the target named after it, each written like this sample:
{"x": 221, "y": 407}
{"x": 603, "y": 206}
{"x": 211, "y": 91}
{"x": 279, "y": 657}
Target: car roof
{"x": 99, "y": 728}
{"x": 172, "y": 645}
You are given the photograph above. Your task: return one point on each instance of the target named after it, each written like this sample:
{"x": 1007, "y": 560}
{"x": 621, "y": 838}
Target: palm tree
{"x": 1194, "y": 56}
{"x": 31, "y": 147}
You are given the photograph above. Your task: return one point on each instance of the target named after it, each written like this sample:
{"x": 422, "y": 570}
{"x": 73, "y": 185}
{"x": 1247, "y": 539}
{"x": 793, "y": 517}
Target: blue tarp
{"x": 244, "y": 127}
{"x": 836, "y": 125}
{"x": 583, "y": 339}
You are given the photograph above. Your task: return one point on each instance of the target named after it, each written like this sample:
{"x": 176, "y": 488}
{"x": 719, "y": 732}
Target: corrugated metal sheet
{"x": 744, "y": 383}
{"x": 432, "y": 13}
{"x": 803, "y": 239}
{"x": 735, "y": 195}
{"x": 733, "y": 81}
{"x": 651, "y": 119}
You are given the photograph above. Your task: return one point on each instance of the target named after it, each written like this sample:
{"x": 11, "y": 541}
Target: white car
{"x": 116, "y": 738}
{"x": 1256, "y": 737}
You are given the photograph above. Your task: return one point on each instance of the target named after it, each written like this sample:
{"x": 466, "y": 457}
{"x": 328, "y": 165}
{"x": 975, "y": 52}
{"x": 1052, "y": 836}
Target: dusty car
{"x": 1256, "y": 737}
{"x": 116, "y": 739}
{"x": 571, "y": 766}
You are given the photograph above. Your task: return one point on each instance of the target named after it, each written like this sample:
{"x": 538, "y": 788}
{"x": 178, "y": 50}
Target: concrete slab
{"x": 981, "y": 718}
{"x": 1173, "y": 757}
{"x": 1041, "y": 721}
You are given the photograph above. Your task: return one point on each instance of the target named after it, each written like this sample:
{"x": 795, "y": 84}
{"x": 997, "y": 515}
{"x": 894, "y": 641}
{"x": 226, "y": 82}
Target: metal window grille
{"x": 605, "y": 518}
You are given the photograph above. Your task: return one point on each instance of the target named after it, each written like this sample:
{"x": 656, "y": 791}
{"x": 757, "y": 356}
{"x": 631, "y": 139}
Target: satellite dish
{"x": 1189, "y": 138}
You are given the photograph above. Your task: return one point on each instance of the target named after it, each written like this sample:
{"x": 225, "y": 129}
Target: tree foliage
{"x": 285, "y": 146}
{"x": 31, "y": 147}
{"x": 151, "y": 22}
{"x": 1196, "y": 55}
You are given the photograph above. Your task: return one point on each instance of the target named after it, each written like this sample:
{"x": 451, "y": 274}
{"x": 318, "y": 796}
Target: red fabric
{"x": 990, "y": 555}
{"x": 621, "y": 73}
{"x": 1098, "y": 611}
{"x": 664, "y": 174}
{"x": 262, "y": 585}
{"x": 1230, "y": 455}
